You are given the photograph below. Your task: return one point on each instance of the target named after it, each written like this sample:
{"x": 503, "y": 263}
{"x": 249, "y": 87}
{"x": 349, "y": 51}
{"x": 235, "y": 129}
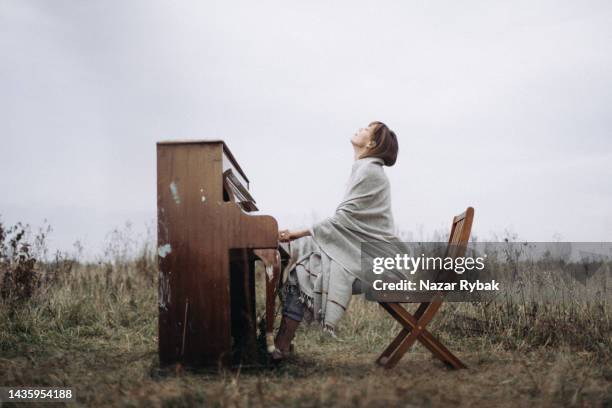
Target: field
{"x": 92, "y": 326}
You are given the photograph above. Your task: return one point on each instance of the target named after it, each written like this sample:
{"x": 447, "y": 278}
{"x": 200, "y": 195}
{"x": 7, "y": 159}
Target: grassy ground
{"x": 96, "y": 332}
{"x": 93, "y": 327}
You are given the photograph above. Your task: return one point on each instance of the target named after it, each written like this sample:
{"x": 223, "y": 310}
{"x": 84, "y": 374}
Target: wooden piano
{"x": 208, "y": 242}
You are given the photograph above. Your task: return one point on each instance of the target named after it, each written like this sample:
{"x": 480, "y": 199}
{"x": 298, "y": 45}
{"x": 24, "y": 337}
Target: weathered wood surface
{"x": 204, "y": 243}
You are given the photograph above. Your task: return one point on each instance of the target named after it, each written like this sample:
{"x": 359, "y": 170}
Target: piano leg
{"x": 242, "y": 295}
{"x": 272, "y": 263}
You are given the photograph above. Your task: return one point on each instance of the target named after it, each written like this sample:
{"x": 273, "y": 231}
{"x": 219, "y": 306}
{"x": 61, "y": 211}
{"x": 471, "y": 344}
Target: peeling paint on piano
{"x": 175, "y": 194}
{"x": 270, "y": 272}
{"x": 164, "y": 250}
{"x": 162, "y": 229}
{"x": 164, "y": 291}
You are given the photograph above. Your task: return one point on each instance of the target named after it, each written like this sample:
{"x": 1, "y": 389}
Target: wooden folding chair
{"x": 413, "y": 325}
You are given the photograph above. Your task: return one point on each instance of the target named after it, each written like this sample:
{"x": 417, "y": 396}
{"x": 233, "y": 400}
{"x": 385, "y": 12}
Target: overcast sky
{"x": 505, "y": 106}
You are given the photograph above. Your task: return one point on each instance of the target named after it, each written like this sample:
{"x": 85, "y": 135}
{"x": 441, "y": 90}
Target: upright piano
{"x": 208, "y": 240}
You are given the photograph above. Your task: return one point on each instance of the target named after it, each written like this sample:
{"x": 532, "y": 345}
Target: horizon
{"x": 520, "y": 91}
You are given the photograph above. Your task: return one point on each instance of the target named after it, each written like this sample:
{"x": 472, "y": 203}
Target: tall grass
{"x": 65, "y": 321}
{"x": 58, "y": 300}
{"x": 45, "y": 295}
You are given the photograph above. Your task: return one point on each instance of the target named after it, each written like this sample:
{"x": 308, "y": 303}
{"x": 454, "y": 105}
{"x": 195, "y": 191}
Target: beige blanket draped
{"x": 325, "y": 265}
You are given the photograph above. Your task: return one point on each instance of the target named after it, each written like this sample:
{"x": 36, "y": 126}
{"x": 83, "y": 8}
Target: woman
{"x": 326, "y": 259}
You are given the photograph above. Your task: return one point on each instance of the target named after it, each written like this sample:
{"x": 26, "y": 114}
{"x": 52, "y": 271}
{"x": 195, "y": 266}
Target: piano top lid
{"x": 209, "y": 141}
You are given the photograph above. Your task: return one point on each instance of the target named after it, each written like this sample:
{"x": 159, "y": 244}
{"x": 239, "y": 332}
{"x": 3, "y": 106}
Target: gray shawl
{"x": 326, "y": 265}
{"x": 364, "y": 215}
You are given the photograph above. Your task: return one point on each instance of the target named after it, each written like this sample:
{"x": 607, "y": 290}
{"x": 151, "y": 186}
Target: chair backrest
{"x": 460, "y": 233}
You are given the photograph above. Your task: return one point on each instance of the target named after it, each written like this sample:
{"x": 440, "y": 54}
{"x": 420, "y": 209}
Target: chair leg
{"x": 441, "y": 352}
{"x": 414, "y": 329}
{"x": 433, "y": 345}
{"x": 384, "y": 357}
{"x": 401, "y": 349}
{"x": 420, "y": 310}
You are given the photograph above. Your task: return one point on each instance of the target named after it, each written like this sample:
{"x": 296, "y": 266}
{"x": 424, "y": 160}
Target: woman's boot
{"x": 286, "y": 333}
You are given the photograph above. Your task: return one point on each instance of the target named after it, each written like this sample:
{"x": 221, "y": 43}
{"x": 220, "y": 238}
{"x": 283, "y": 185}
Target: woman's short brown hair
{"x": 385, "y": 144}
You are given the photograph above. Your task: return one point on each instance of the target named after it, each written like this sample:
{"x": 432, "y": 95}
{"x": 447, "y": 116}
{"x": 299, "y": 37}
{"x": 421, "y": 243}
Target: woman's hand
{"x": 284, "y": 236}
{"x": 287, "y": 236}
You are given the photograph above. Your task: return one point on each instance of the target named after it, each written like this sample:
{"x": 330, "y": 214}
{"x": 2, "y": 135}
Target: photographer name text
{"x": 426, "y": 285}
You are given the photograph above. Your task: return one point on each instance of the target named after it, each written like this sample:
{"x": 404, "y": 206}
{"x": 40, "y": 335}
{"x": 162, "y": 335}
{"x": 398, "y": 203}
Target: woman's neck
{"x": 358, "y": 152}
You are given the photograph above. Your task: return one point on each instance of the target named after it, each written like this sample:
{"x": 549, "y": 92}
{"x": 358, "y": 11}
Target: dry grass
{"x": 93, "y": 327}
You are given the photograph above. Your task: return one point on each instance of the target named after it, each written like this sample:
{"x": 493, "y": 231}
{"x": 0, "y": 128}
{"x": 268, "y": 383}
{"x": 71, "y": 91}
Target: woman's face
{"x": 362, "y": 137}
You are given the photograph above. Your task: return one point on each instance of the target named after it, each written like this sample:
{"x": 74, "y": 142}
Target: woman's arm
{"x": 286, "y": 235}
